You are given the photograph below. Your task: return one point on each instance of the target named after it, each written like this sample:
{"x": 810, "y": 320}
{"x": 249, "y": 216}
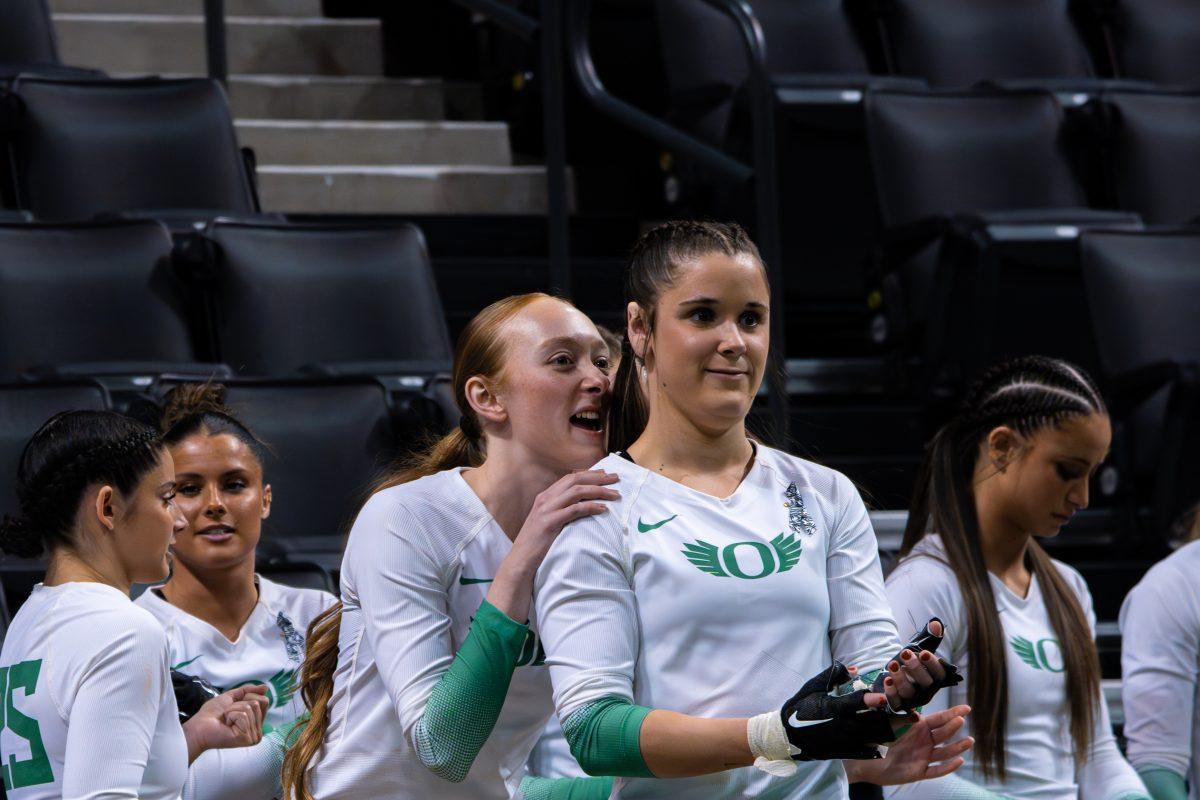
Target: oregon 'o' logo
{"x": 1043, "y": 654}
{"x": 749, "y": 560}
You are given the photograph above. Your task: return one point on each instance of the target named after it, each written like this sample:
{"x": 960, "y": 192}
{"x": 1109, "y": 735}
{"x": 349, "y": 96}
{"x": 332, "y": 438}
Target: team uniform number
{"x": 35, "y": 769}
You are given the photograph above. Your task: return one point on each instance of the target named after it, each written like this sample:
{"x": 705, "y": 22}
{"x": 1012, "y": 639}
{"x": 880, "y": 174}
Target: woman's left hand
{"x": 920, "y": 754}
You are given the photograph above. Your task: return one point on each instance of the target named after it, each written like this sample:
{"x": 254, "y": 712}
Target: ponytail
{"x": 480, "y": 352}
{"x": 316, "y": 687}
{"x": 1026, "y": 394}
{"x": 628, "y": 415}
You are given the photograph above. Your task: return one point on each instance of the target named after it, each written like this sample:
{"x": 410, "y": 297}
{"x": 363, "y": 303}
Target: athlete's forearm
{"x": 679, "y": 746}
{"x": 512, "y": 589}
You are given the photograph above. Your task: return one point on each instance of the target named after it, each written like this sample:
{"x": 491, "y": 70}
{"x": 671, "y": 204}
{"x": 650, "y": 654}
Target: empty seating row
{"x": 115, "y": 297}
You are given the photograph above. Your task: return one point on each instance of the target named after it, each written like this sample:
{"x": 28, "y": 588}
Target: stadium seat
{"x": 1142, "y": 289}
{"x": 338, "y": 298}
{"x": 27, "y": 35}
{"x": 91, "y": 299}
{"x": 951, "y": 43}
{"x": 1154, "y": 150}
{"x": 983, "y": 207}
{"x": 821, "y": 59}
{"x": 327, "y": 438}
{"x": 86, "y": 147}
{"x": 1157, "y": 40}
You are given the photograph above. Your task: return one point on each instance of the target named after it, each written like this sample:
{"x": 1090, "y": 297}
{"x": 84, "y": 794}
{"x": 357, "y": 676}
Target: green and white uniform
{"x": 1040, "y": 758}
{"x": 677, "y": 600}
{"x": 437, "y": 694}
{"x": 268, "y": 651}
{"x": 1160, "y": 666}
{"x": 90, "y": 713}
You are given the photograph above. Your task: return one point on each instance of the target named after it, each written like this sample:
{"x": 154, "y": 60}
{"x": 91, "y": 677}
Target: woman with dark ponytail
{"x": 1011, "y": 469}
{"x": 90, "y": 707}
{"x": 678, "y": 624}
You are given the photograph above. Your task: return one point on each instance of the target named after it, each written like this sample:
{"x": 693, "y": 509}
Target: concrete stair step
{"x": 403, "y": 190}
{"x": 150, "y": 43}
{"x": 315, "y": 97}
{"x": 238, "y": 8}
{"x": 306, "y": 142}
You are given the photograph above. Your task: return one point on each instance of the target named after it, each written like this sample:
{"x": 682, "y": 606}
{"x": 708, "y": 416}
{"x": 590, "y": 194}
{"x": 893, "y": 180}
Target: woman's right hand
{"x": 577, "y": 495}
{"x": 232, "y": 719}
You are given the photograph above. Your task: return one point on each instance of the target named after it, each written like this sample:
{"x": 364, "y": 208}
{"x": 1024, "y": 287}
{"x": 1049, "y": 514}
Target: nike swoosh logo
{"x": 183, "y": 664}
{"x": 805, "y": 723}
{"x": 468, "y": 581}
{"x": 644, "y": 528}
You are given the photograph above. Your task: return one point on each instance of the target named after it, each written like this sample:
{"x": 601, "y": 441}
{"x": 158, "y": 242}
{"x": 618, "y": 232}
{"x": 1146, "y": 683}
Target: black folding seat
{"x": 92, "y": 299}
{"x": 984, "y": 208}
{"x": 23, "y": 409}
{"x": 27, "y": 35}
{"x": 821, "y": 56}
{"x": 331, "y": 299}
{"x": 1153, "y": 142}
{"x": 952, "y": 43}
{"x": 1157, "y": 40}
{"x": 328, "y": 438}
{"x": 82, "y": 148}
{"x": 1142, "y": 289}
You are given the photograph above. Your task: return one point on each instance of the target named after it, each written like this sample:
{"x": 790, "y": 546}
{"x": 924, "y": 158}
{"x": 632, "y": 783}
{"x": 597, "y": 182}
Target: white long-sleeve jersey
{"x": 268, "y": 650}
{"x": 1160, "y": 662}
{"x": 417, "y": 566}
{"x": 711, "y": 607}
{"x": 90, "y": 712}
{"x": 1040, "y": 758}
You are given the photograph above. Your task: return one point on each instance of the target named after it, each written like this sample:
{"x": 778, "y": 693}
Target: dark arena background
{"x": 307, "y": 200}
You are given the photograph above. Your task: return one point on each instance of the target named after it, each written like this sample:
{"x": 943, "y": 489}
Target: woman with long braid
{"x": 1010, "y": 470}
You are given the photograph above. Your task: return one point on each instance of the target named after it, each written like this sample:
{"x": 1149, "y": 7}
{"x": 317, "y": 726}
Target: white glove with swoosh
{"x": 815, "y": 725}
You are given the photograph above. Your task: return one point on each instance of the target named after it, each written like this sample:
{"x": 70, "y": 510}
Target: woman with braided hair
{"x": 1011, "y": 469}
{"x": 89, "y": 705}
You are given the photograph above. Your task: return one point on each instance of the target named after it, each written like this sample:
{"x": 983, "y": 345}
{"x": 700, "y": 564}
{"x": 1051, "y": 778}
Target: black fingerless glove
{"x": 825, "y": 726}
{"x": 924, "y": 639}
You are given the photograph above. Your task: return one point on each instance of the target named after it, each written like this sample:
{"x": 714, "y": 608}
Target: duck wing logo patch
{"x": 788, "y": 549}
{"x": 1025, "y": 651}
{"x": 705, "y": 557}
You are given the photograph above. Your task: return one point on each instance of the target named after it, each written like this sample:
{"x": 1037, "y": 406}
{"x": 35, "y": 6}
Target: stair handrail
{"x": 762, "y": 169}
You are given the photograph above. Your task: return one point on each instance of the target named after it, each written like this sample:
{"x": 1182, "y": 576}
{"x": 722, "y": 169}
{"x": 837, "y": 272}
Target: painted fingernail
{"x": 894, "y": 667}
{"x": 888, "y": 682}
{"x": 925, "y": 656}
{"x": 906, "y": 655}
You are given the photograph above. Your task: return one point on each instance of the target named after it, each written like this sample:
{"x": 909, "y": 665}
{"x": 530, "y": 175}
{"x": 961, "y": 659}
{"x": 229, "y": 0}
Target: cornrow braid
{"x": 1026, "y": 394}
{"x": 74, "y": 450}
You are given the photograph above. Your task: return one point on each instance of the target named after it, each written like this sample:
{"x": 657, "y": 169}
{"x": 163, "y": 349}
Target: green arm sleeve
{"x": 1164, "y": 784}
{"x": 533, "y": 788}
{"x": 465, "y": 703}
{"x": 605, "y": 738}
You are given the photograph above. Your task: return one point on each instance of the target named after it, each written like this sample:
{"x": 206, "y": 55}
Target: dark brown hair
{"x": 480, "y": 351}
{"x": 193, "y": 408}
{"x": 70, "y": 452}
{"x": 653, "y": 265}
{"x": 1025, "y": 394}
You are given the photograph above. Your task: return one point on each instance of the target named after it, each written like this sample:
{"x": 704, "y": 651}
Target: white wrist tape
{"x": 769, "y": 744}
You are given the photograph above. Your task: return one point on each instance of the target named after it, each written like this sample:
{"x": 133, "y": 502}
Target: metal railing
{"x": 549, "y": 29}
{"x": 762, "y": 171}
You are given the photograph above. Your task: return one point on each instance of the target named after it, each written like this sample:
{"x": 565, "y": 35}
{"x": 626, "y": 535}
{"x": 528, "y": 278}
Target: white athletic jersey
{"x": 551, "y": 756}
{"x": 1040, "y": 759}
{"x": 1160, "y": 661}
{"x": 268, "y": 650}
{"x": 90, "y": 712}
{"x": 677, "y": 600}
{"x": 418, "y": 564}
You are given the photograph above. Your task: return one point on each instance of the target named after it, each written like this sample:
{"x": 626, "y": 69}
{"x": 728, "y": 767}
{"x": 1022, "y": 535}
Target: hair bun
{"x": 192, "y": 398}
{"x": 18, "y": 538}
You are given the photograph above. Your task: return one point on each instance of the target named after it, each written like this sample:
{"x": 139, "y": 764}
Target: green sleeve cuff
{"x": 465, "y": 703}
{"x": 534, "y": 788}
{"x": 605, "y": 738}
{"x": 1164, "y": 784}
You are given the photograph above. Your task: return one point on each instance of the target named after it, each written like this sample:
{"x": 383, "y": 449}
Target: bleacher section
{"x": 955, "y": 186}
